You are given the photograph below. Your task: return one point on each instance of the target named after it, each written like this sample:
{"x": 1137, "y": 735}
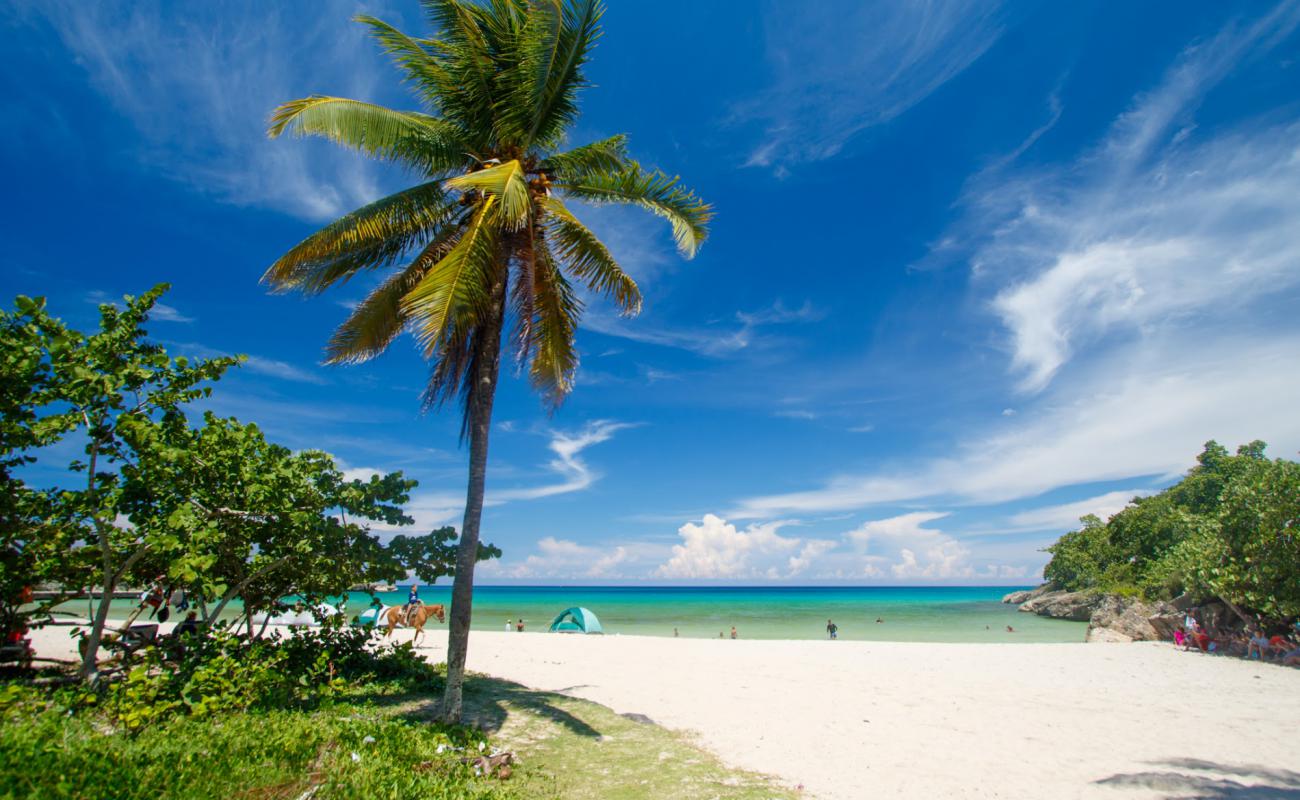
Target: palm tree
{"x": 485, "y": 236}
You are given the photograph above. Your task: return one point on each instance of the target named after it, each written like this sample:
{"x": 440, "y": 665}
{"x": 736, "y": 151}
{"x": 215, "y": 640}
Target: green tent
{"x": 576, "y": 620}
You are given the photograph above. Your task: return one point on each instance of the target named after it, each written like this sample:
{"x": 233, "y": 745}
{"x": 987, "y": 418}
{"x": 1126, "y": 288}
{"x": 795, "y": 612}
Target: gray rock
{"x": 1105, "y": 635}
{"x": 1017, "y": 598}
{"x": 1077, "y": 606}
{"x": 1124, "y": 619}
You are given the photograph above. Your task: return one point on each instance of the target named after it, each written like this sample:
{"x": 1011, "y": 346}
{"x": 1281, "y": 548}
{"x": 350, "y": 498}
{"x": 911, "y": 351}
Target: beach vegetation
{"x": 134, "y": 493}
{"x": 331, "y": 714}
{"x": 1228, "y": 530}
{"x": 489, "y": 236}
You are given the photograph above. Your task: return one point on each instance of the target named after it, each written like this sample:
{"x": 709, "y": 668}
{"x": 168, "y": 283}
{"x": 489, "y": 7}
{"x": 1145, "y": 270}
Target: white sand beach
{"x": 910, "y": 720}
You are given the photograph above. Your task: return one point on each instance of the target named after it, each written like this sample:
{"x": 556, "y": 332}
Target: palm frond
{"x": 554, "y": 358}
{"x": 552, "y": 47}
{"x": 379, "y": 318}
{"x": 555, "y": 107}
{"x": 464, "y": 48}
{"x": 454, "y": 292}
{"x": 423, "y": 69}
{"x": 607, "y": 155}
{"x": 522, "y": 299}
{"x": 426, "y": 143}
{"x": 371, "y": 237}
{"x": 587, "y": 258}
{"x": 507, "y": 183}
{"x": 536, "y": 48}
{"x": 688, "y": 214}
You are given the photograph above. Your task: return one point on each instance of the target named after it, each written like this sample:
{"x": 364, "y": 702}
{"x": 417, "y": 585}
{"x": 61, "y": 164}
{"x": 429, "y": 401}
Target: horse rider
{"x": 412, "y": 602}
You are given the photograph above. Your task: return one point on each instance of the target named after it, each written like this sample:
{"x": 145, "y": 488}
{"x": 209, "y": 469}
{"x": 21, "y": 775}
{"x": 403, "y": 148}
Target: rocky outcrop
{"x": 1117, "y": 618}
{"x": 1127, "y": 619}
{"x": 1077, "y": 606}
{"x": 1029, "y": 594}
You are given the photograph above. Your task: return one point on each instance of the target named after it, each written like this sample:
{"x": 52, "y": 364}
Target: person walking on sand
{"x": 832, "y": 629}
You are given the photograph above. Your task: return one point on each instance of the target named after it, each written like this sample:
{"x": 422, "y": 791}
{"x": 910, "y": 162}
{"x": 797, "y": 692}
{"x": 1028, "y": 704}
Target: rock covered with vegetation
{"x": 1223, "y": 543}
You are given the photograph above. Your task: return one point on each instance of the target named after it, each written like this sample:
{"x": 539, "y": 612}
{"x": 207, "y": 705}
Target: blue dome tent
{"x": 576, "y": 620}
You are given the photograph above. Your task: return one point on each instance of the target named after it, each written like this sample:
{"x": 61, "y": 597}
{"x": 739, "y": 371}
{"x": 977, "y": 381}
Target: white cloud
{"x": 840, "y": 68}
{"x": 808, "y": 555}
{"x": 161, "y": 312}
{"x": 714, "y": 548}
{"x": 1146, "y": 412}
{"x": 1152, "y": 228}
{"x": 564, "y": 559}
{"x": 199, "y": 83}
{"x": 577, "y": 475}
{"x": 712, "y": 342}
{"x": 1066, "y": 516}
{"x": 434, "y": 508}
{"x": 902, "y": 548}
{"x": 281, "y": 370}
{"x": 1148, "y": 290}
{"x": 166, "y": 313}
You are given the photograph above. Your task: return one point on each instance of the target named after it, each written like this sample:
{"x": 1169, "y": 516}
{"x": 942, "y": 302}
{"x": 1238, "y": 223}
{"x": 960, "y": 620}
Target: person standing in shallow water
{"x": 832, "y": 629}
{"x": 519, "y": 626}
{"x": 733, "y": 632}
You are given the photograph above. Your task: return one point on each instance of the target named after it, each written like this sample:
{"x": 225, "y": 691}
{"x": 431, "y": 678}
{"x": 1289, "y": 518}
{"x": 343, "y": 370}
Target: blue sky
{"x": 977, "y": 268}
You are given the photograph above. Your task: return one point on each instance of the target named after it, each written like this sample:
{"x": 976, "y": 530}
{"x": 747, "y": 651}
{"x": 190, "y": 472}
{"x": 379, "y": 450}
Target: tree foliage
{"x": 1228, "y": 529}
{"x": 212, "y": 511}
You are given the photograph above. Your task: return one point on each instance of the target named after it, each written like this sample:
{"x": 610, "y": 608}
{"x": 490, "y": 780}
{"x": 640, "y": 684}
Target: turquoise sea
{"x": 916, "y": 614}
{"x": 911, "y": 614}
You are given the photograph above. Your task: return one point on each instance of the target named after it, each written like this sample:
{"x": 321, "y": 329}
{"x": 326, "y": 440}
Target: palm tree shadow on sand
{"x": 1223, "y": 781}
{"x": 488, "y": 703}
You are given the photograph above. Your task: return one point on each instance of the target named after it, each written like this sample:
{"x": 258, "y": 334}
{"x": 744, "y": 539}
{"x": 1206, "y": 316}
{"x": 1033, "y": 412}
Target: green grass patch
{"x": 375, "y": 741}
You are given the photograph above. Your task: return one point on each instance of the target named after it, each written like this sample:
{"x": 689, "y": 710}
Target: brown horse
{"x": 397, "y": 615}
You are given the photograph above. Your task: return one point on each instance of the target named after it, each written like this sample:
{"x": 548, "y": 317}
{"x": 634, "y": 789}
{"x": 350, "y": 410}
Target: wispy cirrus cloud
{"x": 1146, "y": 288}
{"x": 1144, "y": 413}
{"x": 431, "y": 508}
{"x": 839, "y": 68}
{"x": 576, "y": 474}
{"x": 198, "y": 83}
{"x": 1152, "y": 228}
{"x": 743, "y": 331}
{"x": 282, "y": 370}
{"x": 161, "y": 312}
{"x": 1067, "y": 515}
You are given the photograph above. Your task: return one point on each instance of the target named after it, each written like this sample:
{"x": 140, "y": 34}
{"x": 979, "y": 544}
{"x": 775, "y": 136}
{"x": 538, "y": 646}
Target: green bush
{"x": 221, "y": 672}
{"x": 1226, "y": 530}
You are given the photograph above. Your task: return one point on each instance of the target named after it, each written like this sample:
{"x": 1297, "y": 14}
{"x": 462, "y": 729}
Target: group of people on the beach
{"x": 1254, "y": 642}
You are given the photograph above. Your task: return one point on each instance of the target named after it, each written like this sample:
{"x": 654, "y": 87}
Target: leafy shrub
{"x": 222, "y": 672}
{"x": 1227, "y": 530}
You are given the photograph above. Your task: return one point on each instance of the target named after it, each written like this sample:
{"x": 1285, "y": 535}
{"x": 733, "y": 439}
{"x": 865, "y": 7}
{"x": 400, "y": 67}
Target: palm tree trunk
{"x": 479, "y": 412}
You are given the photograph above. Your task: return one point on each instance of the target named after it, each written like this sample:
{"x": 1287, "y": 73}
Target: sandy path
{"x": 870, "y": 719}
